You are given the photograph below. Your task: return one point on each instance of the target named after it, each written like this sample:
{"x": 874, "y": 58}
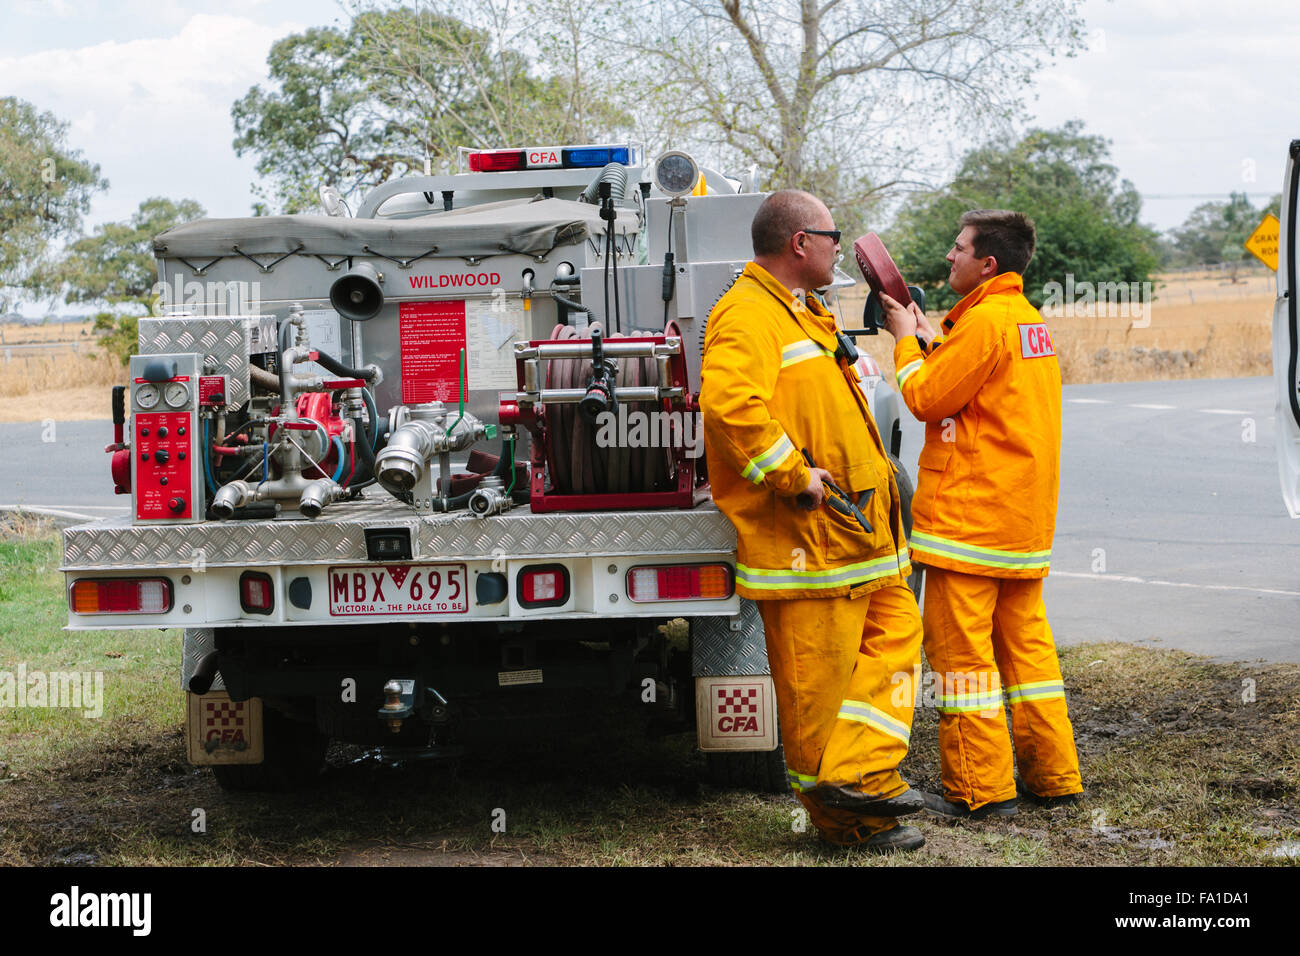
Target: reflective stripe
{"x": 775, "y": 580}
{"x": 758, "y": 468}
{"x": 801, "y": 781}
{"x": 1039, "y": 690}
{"x": 802, "y": 352}
{"x": 865, "y": 713}
{"x": 965, "y": 703}
{"x": 989, "y": 557}
{"x": 907, "y": 371}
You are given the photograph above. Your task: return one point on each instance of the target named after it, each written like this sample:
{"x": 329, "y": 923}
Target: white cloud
{"x": 155, "y": 112}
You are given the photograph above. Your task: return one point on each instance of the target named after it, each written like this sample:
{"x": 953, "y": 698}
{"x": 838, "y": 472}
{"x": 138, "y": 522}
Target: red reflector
{"x": 255, "y": 593}
{"x": 545, "y": 586}
{"x": 497, "y": 161}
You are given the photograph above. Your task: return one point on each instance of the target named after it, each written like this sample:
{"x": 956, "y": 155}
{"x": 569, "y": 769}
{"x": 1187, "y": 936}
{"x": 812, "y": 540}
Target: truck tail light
{"x": 678, "y": 582}
{"x": 543, "y": 585}
{"x": 497, "y": 161}
{"x": 256, "y": 595}
{"x": 121, "y": 596}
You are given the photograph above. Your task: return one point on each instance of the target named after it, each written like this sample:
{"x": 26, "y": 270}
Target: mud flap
{"x": 221, "y": 731}
{"x": 735, "y": 713}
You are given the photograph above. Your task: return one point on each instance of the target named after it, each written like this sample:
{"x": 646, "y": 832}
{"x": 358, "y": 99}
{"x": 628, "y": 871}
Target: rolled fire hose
{"x": 577, "y": 465}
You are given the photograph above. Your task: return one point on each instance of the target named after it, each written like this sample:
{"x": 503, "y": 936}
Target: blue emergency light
{"x": 596, "y": 156}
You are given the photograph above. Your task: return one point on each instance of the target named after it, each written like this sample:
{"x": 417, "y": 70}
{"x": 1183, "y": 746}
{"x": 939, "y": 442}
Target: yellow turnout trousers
{"x": 845, "y": 670}
{"x": 985, "y": 636}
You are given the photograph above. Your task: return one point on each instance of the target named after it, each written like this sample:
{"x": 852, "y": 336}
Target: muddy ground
{"x": 1186, "y": 761}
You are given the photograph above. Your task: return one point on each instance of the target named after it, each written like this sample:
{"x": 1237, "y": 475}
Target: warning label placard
{"x": 433, "y": 333}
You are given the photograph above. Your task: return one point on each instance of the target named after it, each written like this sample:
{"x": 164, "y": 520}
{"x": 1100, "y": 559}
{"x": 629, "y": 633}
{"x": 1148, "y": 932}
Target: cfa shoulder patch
{"x": 1035, "y": 341}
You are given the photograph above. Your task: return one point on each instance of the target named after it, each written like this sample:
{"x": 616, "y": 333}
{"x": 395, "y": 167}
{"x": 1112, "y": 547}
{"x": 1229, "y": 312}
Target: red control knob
{"x": 177, "y": 505}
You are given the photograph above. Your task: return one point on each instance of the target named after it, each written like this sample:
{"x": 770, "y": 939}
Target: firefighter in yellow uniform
{"x": 984, "y": 514}
{"x": 842, "y": 628}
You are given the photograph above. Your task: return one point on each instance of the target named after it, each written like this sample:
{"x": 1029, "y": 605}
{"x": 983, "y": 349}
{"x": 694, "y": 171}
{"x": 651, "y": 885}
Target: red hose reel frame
{"x": 691, "y": 487}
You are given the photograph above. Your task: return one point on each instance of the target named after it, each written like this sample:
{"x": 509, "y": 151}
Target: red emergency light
{"x": 497, "y": 161}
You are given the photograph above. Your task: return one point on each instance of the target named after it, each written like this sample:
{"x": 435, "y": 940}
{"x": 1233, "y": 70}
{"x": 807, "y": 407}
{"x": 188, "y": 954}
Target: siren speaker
{"x": 356, "y": 295}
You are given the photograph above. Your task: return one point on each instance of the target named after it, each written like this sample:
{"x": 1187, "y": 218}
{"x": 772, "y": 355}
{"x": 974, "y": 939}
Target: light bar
{"x": 121, "y": 596}
{"x": 548, "y": 157}
{"x": 678, "y": 582}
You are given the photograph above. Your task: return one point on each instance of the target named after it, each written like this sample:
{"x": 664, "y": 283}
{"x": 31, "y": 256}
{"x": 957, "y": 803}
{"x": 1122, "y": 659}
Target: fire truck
{"x": 402, "y": 473}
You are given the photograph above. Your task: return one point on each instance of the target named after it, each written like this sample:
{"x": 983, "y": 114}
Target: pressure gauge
{"x": 146, "y": 396}
{"x": 675, "y": 173}
{"x": 177, "y": 394}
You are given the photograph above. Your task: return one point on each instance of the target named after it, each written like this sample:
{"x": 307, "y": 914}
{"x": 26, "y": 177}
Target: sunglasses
{"x": 833, "y": 233}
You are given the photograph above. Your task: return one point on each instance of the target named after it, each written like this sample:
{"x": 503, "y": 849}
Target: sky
{"x": 1198, "y": 98}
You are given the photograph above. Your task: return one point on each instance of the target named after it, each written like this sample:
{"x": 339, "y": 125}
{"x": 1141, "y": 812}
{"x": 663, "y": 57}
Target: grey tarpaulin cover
{"x": 529, "y": 226}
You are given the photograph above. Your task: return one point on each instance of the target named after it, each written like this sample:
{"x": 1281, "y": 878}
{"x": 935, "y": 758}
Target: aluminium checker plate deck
{"x": 338, "y": 537}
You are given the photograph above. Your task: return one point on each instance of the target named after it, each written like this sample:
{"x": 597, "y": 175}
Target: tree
{"x": 116, "y": 265}
{"x": 838, "y": 96}
{"x": 1214, "y": 232}
{"x": 401, "y": 86}
{"x": 45, "y": 189}
{"x": 1086, "y": 218}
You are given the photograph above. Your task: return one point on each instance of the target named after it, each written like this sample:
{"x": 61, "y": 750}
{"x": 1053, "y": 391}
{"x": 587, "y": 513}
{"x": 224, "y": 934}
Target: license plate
{"x": 397, "y": 589}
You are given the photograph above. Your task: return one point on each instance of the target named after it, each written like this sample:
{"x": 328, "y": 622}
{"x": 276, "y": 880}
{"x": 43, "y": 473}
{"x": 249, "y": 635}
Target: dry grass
{"x": 67, "y": 376}
{"x": 61, "y": 385}
{"x": 20, "y": 333}
{"x": 1200, "y": 325}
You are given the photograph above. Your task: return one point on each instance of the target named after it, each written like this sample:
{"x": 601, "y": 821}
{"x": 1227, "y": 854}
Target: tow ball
{"x": 395, "y": 710}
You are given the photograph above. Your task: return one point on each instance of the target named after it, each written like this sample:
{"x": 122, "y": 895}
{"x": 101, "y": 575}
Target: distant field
{"x": 1200, "y": 326}
{"x": 54, "y": 371}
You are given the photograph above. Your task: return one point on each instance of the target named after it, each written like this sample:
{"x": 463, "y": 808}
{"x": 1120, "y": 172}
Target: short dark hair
{"x": 1007, "y": 236}
{"x": 781, "y": 215}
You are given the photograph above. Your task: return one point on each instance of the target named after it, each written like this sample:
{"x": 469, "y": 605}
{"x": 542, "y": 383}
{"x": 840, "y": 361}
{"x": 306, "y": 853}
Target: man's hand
{"x": 923, "y": 327}
{"x": 899, "y": 321}
{"x": 811, "y": 498}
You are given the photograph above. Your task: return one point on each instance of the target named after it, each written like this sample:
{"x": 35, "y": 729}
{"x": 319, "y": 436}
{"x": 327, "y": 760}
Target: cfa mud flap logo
{"x": 223, "y": 731}
{"x": 224, "y": 725}
{"x": 77, "y": 909}
{"x": 735, "y": 713}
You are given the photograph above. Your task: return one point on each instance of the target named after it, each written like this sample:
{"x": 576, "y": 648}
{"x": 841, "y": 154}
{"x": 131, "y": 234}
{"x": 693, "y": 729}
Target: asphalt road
{"x": 1157, "y": 483}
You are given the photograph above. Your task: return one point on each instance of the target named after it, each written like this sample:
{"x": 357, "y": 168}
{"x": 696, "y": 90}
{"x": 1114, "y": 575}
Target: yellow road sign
{"x": 1262, "y": 243}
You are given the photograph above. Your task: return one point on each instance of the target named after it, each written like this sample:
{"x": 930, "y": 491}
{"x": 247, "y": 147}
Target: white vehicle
{"x": 1286, "y": 340}
{"x": 397, "y": 472}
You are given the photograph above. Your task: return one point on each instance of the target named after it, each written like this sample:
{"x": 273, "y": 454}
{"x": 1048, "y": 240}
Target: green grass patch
{"x": 139, "y": 671}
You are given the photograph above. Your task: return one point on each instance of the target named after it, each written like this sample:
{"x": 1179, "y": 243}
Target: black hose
{"x": 366, "y": 441}
{"x": 573, "y": 305}
{"x": 330, "y": 363}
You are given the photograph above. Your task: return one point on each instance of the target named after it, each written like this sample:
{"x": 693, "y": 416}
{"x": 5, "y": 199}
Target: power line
{"x": 1267, "y": 195}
